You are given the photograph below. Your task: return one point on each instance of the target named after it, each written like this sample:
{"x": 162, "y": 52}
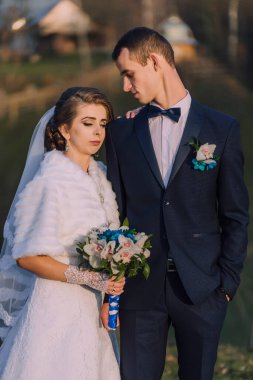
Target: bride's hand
{"x": 104, "y": 315}
{"x": 115, "y": 288}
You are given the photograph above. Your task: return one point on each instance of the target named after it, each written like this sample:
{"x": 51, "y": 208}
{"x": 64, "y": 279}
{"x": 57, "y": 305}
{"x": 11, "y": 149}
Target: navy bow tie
{"x": 173, "y": 113}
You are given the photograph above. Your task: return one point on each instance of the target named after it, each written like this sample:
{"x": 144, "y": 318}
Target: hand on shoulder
{"x": 132, "y": 113}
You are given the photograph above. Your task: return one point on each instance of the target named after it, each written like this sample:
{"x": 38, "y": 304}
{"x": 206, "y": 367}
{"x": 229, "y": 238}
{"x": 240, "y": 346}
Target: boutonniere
{"x": 205, "y": 158}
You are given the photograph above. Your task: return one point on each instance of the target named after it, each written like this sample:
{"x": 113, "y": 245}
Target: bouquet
{"x": 116, "y": 252}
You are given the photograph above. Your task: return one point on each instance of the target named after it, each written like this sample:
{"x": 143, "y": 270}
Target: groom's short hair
{"x": 141, "y": 42}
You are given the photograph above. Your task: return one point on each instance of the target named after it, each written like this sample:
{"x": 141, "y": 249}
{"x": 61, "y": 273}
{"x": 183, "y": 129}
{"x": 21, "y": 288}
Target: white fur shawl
{"x": 60, "y": 205}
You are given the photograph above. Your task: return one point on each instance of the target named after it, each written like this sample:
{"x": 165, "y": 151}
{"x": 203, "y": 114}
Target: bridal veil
{"x": 15, "y": 283}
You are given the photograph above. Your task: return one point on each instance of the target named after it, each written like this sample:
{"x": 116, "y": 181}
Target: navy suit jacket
{"x": 200, "y": 219}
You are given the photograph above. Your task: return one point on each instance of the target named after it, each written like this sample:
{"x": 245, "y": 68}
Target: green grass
{"x": 49, "y": 70}
{"x": 232, "y": 364}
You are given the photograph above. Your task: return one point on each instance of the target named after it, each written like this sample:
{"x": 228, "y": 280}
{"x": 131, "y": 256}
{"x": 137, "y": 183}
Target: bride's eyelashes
{"x": 87, "y": 124}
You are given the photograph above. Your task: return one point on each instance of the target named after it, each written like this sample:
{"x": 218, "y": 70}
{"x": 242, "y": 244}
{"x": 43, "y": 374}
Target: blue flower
{"x": 202, "y": 166}
{"x": 211, "y": 165}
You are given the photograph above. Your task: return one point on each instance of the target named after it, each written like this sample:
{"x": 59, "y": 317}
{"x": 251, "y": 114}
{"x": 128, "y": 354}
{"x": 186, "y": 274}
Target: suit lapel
{"x": 192, "y": 129}
{"x": 141, "y": 126}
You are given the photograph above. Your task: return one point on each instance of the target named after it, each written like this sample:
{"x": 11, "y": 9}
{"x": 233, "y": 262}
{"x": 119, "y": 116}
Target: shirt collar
{"x": 184, "y": 104}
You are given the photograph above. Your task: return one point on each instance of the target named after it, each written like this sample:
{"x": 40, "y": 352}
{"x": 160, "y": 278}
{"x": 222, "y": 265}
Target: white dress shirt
{"x": 166, "y": 135}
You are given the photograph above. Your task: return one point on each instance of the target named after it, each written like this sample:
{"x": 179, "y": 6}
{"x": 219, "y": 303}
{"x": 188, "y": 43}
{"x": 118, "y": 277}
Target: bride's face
{"x": 87, "y": 131}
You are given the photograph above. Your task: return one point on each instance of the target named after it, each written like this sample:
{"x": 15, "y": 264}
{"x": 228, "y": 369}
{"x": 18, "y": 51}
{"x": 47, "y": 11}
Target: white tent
{"x": 65, "y": 18}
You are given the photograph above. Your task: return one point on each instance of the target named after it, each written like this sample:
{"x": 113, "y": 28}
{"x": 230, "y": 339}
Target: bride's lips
{"x": 96, "y": 143}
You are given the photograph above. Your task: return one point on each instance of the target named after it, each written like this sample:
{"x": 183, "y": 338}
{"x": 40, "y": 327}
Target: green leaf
{"x": 132, "y": 272}
{"x": 120, "y": 275}
{"x": 194, "y": 143}
{"x": 80, "y": 251}
{"x": 148, "y": 244}
{"x": 126, "y": 222}
{"x": 146, "y": 271}
{"x": 102, "y": 266}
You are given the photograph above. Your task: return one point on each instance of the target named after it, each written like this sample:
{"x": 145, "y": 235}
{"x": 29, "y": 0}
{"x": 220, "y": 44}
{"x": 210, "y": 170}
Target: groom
{"x": 195, "y": 205}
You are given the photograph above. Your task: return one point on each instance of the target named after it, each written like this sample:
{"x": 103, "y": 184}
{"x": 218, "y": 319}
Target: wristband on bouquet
{"x": 113, "y": 302}
{"x": 113, "y": 311}
{"x": 95, "y": 280}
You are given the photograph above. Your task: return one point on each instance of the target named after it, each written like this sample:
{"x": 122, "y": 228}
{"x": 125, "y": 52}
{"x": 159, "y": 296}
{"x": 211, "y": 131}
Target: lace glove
{"x": 95, "y": 280}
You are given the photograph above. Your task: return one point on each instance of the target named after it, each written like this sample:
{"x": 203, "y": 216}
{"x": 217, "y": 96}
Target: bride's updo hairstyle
{"x": 65, "y": 112}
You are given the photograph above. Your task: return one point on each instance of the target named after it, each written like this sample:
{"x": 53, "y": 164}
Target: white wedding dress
{"x": 58, "y": 333}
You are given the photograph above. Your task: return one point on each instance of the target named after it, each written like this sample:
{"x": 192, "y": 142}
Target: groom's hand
{"x": 132, "y": 113}
{"x": 104, "y": 315}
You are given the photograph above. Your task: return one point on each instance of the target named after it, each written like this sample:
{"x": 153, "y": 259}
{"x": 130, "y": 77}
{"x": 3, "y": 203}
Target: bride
{"x": 49, "y": 308}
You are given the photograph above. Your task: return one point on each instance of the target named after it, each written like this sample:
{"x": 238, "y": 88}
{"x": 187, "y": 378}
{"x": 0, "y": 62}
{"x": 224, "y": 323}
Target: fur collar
{"x": 57, "y": 167}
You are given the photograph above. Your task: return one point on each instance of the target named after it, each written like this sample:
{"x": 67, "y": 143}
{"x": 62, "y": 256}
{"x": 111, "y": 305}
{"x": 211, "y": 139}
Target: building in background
{"x": 180, "y": 35}
{"x": 60, "y": 26}
{"x": 63, "y": 28}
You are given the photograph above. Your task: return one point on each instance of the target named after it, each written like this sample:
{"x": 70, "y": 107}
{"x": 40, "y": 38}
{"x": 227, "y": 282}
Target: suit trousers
{"x": 143, "y": 334}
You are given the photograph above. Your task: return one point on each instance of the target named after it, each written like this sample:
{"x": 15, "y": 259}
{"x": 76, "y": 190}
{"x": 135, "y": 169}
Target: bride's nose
{"x": 98, "y": 130}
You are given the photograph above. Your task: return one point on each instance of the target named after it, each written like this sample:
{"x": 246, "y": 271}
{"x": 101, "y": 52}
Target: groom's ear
{"x": 155, "y": 61}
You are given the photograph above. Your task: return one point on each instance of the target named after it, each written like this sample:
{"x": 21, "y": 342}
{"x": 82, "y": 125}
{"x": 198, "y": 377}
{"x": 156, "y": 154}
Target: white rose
{"x": 205, "y": 152}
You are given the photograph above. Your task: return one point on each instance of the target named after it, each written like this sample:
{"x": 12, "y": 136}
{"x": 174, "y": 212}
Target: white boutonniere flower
{"x": 205, "y": 158}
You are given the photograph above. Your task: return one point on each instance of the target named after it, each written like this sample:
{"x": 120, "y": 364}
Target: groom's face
{"x": 140, "y": 80}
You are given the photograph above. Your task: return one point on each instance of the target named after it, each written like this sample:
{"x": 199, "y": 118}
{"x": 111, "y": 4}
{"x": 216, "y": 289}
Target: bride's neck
{"x": 81, "y": 160}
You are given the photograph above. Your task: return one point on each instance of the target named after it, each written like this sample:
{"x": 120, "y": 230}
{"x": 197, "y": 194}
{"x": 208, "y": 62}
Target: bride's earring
{"x": 66, "y": 146}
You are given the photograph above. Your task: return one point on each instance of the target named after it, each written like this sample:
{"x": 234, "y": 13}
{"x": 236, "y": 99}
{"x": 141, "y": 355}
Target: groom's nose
{"x": 126, "y": 84}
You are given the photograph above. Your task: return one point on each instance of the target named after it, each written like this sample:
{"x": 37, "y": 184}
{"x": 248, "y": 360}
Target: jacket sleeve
{"x": 37, "y": 221}
{"x": 233, "y": 211}
{"x": 114, "y": 175}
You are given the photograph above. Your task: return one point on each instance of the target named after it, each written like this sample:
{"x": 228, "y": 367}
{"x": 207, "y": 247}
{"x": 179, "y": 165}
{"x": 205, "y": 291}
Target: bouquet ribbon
{"x": 113, "y": 311}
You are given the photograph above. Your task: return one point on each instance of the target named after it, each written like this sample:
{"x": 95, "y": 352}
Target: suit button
{"x": 167, "y": 203}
